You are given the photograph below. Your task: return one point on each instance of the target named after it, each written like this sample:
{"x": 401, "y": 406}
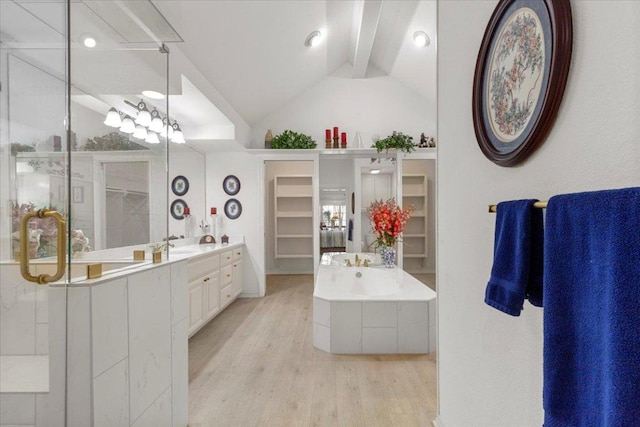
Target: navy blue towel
{"x": 517, "y": 257}
{"x": 592, "y": 310}
{"x": 350, "y": 231}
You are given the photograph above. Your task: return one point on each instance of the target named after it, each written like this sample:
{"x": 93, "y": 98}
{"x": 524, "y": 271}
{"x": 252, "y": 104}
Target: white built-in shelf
{"x": 293, "y": 215}
{"x": 423, "y": 153}
{"x": 297, "y": 256}
{"x": 414, "y": 192}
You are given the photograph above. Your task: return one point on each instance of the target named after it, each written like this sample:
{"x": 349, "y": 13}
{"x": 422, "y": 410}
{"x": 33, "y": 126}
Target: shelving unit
{"x": 414, "y": 192}
{"x": 293, "y": 214}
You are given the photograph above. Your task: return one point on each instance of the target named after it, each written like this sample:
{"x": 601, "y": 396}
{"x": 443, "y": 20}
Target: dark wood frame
{"x": 561, "y": 48}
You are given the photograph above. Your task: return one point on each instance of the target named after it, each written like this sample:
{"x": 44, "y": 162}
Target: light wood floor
{"x": 255, "y": 365}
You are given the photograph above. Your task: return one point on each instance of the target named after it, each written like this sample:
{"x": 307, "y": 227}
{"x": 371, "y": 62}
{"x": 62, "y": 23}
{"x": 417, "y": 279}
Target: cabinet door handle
{"x": 228, "y": 275}
{"x": 235, "y": 265}
{"x": 228, "y": 296}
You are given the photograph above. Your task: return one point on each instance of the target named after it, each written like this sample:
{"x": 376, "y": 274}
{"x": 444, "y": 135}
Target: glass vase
{"x": 388, "y": 256}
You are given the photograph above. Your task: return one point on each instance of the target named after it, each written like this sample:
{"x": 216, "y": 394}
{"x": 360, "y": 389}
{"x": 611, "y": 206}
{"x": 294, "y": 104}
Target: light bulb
{"x": 144, "y": 117}
{"x": 140, "y": 132}
{"x": 152, "y": 138}
{"x": 113, "y": 119}
{"x": 127, "y": 125}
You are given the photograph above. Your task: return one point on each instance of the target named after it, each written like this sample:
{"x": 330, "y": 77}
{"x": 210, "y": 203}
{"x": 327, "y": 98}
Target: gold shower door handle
{"x": 42, "y": 279}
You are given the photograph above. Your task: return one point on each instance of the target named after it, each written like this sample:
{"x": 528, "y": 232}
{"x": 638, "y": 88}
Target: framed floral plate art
{"x": 520, "y": 76}
{"x": 180, "y": 185}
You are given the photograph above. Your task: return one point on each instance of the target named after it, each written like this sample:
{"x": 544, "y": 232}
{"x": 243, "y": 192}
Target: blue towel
{"x": 517, "y": 257}
{"x": 350, "y": 231}
{"x": 592, "y": 310}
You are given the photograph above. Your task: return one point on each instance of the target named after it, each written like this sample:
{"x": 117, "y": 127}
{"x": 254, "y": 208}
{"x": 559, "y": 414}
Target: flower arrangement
{"x": 388, "y": 221}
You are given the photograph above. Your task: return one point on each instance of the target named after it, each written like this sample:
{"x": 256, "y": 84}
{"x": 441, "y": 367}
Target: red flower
{"x": 388, "y": 220}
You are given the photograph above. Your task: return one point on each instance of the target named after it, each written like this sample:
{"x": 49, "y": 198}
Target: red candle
{"x": 335, "y": 132}
{"x": 187, "y": 211}
{"x": 214, "y": 211}
{"x": 327, "y": 134}
{"x": 344, "y": 138}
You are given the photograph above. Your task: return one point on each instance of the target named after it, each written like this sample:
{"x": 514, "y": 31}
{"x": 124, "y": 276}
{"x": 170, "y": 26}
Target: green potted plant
{"x": 292, "y": 140}
{"x": 397, "y": 141}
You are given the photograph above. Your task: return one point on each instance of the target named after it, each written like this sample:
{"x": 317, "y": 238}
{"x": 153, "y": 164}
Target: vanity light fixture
{"x": 154, "y": 128}
{"x": 144, "y": 116}
{"x": 152, "y": 138}
{"x": 313, "y": 39}
{"x": 127, "y": 125}
{"x": 140, "y": 132}
{"x": 374, "y": 171}
{"x": 156, "y": 121}
{"x": 113, "y": 119}
{"x": 177, "y": 137}
{"x": 421, "y": 39}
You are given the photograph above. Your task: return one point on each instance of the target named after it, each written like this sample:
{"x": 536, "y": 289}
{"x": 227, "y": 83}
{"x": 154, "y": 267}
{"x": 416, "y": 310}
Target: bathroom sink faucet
{"x": 357, "y": 261}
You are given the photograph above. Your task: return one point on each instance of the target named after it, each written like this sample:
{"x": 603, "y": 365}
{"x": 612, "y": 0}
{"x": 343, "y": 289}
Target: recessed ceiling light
{"x": 421, "y": 39}
{"x": 152, "y": 94}
{"x": 88, "y": 40}
{"x": 313, "y": 39}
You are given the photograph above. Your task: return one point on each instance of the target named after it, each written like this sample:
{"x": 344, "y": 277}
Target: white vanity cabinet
{"x": 214, "y": 282}
{"x": 230, "y": 276}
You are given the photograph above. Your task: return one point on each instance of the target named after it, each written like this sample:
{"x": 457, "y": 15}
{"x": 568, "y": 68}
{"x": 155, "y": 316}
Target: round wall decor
{"x": 520, "y": 76}
{"x": 180, "y": 185}
{"x": 177, "y": 209}
{"x": 233, "y": 208}
{"x": 231, "y": 185}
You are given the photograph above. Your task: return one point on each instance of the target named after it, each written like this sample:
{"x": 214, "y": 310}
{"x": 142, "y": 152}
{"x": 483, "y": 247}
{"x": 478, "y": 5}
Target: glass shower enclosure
{"x": 83, "y": 174}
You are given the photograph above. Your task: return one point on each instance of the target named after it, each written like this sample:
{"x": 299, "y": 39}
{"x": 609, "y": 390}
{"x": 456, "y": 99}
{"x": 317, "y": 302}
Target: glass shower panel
{"x": 34, "y": 210}
{"x": 58, "y": 153}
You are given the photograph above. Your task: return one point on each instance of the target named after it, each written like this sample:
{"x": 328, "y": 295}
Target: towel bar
{"x": 540, "y": 205}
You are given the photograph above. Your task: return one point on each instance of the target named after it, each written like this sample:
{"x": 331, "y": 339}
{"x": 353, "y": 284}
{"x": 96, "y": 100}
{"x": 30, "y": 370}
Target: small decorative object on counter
{"x": 343, "y": 141}
{"x": 327, "y": 138}
{"x": 268, "y": 138}
{"x": 225, "y": 240}
{"x": 388, "y": 256}
{"x": 335, "y": 137}
{"x": 206, "y": 239}
{"x": 214, "y": 211}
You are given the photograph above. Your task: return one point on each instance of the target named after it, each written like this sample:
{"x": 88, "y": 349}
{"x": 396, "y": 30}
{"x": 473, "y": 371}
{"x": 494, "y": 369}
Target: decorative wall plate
{"x": 177, "y": 209}
{"x": 231, "y": 185}
{"x": 520, "y": 76}
{"x": 233, "y": 208}
{"x": 180, "y": 185}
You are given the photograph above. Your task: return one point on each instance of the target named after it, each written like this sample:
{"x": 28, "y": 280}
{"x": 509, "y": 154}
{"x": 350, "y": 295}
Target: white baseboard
{"x": 437, "y": 422}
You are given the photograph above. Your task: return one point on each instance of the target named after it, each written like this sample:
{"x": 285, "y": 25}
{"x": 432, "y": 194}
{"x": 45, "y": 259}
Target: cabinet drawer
{"x": 237, "y": 254}
{"x": 226, "y": 275}
{"x": 227, "y": 294}
{"x": 202, "y": 266}
{"x": 226, "y": 257}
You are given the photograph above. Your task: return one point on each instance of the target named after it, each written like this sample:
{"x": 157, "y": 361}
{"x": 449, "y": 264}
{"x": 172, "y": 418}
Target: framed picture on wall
{"x": 231, "y": 185}
{"x": 520, "y": 76}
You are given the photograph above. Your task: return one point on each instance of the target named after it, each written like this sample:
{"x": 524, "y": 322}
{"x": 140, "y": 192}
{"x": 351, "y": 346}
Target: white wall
{"x": 190, "y": 164}
{"x": 490, "y": 364}
{"x": 247, "y": 168}
{"x": 374, "y": 107}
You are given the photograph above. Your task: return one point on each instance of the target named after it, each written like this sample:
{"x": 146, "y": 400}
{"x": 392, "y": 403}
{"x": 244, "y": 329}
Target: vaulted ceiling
{"x": 253, "y": 51}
